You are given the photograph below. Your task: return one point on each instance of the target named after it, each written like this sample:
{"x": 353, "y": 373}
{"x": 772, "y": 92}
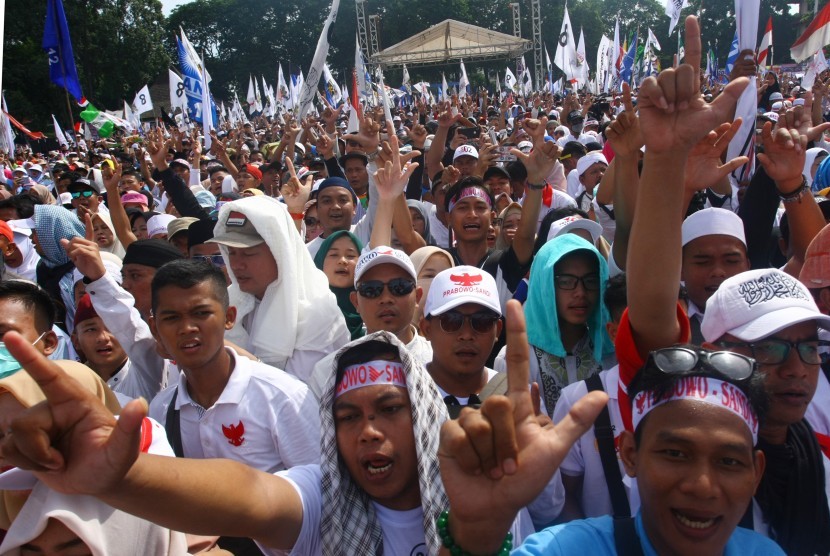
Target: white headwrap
{"x": 116, "y": 248}
{"x": 589, "y": 160}
{"x": 104, "y": 529}
{"x": 28, "y": 268}
{"x": 298, "y": 311}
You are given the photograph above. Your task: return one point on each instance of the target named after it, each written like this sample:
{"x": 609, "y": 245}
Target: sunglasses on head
{"x": 86, "y": 194}
{"x": 481, "y": 321}
{"x": 682, "y": 360}
{"x": 215, "y": 260}
{"x": 775, "y": 351}
{"x": 398, "y": 287}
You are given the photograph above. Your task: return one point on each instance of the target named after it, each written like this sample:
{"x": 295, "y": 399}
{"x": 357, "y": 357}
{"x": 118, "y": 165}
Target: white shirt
{"x": 583, "y": 459}
{"x": 145, "y": 376}
{"x": 558, "y": 201}
{"x": 403, "y": 530}
{"x": 264, "y": 418}
{"x": 439, "y": 232}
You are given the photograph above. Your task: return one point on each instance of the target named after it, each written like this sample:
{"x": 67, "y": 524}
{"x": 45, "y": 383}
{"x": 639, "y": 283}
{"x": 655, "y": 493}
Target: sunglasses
{"x": 775, "y": 351}
{"x": 311, "y": 222}
{"x": 398, "y": 287}
{"x": 215, "y": 260}
{"x": 682, "y": 360}
{"x": 590, "y": 282}
{"x": 482, "y": 321}
{"x": 86, "y": 194}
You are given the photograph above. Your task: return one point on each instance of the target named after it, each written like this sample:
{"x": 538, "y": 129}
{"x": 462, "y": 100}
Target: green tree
{"x": 118, "y": 46}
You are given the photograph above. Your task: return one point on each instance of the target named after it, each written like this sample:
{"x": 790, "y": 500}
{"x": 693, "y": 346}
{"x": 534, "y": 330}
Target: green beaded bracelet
{"x": 443, "y": 523}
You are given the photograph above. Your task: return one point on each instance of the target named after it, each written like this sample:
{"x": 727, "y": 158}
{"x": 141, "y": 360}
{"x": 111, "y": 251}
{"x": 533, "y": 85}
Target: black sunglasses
{"x": 482, "y": 321}
{"x": 398, "y": 287}
{"x": 682, "y": 360}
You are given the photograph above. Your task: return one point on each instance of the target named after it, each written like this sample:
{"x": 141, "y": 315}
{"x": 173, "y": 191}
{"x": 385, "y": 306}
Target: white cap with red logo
{"x": 459, "y": 285}
{"x": 383, "y": 254}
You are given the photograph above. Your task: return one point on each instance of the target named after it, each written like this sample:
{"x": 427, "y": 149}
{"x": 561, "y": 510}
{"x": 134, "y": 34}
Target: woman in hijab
{"x": 337, "y": 258}
{"x": 813, "y": 162}
{"x": 428, "y": 261}
{"x": 54, "y": 271}
{"x": 566, "y": 315}
{"x": 105, "y": 235}
{"x": 510, "y": 218}
{"x": 770, "y": 86}
{"x": 420, "y": 218}
{"x": 18, "y": 392}
{"x": 23, "y": 258}
{"x": 42, "y": 195}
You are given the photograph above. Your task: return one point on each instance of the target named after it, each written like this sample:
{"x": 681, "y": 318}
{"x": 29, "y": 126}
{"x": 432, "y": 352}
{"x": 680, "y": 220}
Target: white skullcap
{"x": 712, "y": 221}
{"x": 589, "y": 160}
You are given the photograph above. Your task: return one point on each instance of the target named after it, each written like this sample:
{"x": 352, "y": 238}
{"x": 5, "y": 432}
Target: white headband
{"x": 701, "y": 389}
{"x": 372, "y": 373}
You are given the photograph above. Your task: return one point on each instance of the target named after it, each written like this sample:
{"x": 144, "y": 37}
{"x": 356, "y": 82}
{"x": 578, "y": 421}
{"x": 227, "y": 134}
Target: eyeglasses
{"x": 680, "y": 360}
{"x": 775, "y": 351}
{"x": 482, "y": 321}
{"x": 498, "y": 221}
{"x": 398, "y": 287}
{"x": 86, "y": 194}
{"x": 215, "y": 260}
{"x": 311, "y": 222}
{"x": 590, "y": 282}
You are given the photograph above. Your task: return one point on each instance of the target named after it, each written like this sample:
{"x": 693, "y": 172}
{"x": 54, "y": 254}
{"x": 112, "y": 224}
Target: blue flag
{"x": 733, "y": 54}
{"x": 191, "y": 67}
{"x": 628, "y": 61}
{"x": 58, "y": 47}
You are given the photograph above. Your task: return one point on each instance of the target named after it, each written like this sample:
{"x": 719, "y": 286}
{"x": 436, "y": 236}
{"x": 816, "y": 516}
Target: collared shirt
{"x": 264, "y": 418}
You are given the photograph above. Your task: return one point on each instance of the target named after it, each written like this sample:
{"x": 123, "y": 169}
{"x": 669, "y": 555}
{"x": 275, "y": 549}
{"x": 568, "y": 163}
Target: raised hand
{"x": 157, "y": 147}
{"x": 418, "y": 134}
{"x": 113, "y": 178}
{"x": 325, "y": 146}
{"x": 784, "y": 155}
{"x": 543, "y": 157}
{"x": 624, "y": 132}
{"x": 392, "y": 177}
{"x": 84, "y": 252}
{"x": 673, "y": 115}
{"x": 497, "y": 459}
{"x": 445, "y": 115}
{"x": 367, "y": 135}
{"x": 703, "y": 167}
{"x": 294, "y": 192}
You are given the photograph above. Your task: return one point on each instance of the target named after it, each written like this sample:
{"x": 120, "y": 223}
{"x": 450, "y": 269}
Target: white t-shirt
{"x": 439, "y": 232}
{"x": 403, "y": 531}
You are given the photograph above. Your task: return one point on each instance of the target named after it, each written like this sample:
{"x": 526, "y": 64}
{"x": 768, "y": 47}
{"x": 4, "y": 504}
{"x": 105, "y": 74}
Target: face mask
{"x": 8, "y": 364}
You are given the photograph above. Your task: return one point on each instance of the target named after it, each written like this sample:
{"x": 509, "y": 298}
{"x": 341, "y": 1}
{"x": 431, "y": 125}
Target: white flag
{"x": 283, "y": 92}
{"x": 143, "y": 103}
{"x": 207, "y": 108}
{"x": 527, "y": 80}
{"x": 6, "y": 133}
{"x": 463, "y": 82}
{"x": 615, "y": 54}
{"x": 315, "y": 71}
{"x": 673, "y": 8}
{"x": 59, "y": 132}
{"x": 405, "y": 80}
{"x": 603, "y": 64}
{"x": 548, "y": 72}
{"x": 510, "y": 81}
{"x": 743, "y": 143}
{"x": 333, "y": 94}
{"x": 177, "y": 96}
{"x": 818, "y": 63}
{"x": 581, "y": 73}
{"x": 130, "y": 117}
{"x": 653, "y": 40}
{"x": 250, "y": 98}
{"x": 565, "y": 57}
{"x": 444, "y": 93}
{"x": 385, "y": 97}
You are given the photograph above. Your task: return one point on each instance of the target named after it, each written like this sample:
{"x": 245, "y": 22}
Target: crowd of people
{"x": 489, "y": 325}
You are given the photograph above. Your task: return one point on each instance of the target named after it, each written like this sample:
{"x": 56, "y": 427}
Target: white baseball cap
{"x": 383, "y": 254}
{"x": 571, "y": 223}
{"x": 758, "y": 303}
{"x": 465, "y": 150}
{"x": 525, "y": 146}
{"x": 712, "y": 221}
{"x": 459, "y": 285}
{"x": 158, "y": 224}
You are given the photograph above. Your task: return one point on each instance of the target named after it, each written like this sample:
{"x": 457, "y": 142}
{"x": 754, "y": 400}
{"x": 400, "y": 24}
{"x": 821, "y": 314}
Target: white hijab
{"x": 28, "y": 268}
{"x": 105, "y": 530}
{"x": 810, "y": 158}
{"x": 298, "y": 311}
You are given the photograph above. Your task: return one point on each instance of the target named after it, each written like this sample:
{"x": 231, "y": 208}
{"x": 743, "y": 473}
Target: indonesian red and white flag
{"x": 764, "y": 57}
{"x": 816, "y": 36}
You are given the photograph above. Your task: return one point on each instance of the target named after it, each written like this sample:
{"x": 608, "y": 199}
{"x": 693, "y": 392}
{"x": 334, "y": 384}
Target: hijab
{"x": 419, "y": 206}
{"x": 116, "y": 248}
{"x": 512, "y": 208}
{"x": 810, "y": 158}
{"x": 27, "y": 268}
{"x": 42, "y": 194}
{"x": 353, "y": 321}
{"x": 349, "y": 524}
{"x": 420, "y": 256}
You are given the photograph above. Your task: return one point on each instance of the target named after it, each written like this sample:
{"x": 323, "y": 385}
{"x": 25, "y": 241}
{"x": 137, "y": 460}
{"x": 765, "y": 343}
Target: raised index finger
{"x": 89, "y": 234}
{"x": 693, "y": 46}
{"x": 290, "y": 165}
{"x": 629, "y": 106}
{"x": 518, "y": 353}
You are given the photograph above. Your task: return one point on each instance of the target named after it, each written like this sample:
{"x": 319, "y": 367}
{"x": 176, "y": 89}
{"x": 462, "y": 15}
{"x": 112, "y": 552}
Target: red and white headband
{"x": 372, "y": 373}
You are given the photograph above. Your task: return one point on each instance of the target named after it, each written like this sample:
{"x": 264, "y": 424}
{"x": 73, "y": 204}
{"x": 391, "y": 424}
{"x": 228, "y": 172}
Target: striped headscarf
{"x": 349, "y": 524}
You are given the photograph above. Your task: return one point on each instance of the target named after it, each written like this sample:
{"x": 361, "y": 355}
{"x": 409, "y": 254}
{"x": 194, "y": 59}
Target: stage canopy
{"x": 452, "y": 40}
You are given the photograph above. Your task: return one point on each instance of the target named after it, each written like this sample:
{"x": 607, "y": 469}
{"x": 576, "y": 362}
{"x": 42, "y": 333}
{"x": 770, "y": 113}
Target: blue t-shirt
{"x": 597, "y": 533}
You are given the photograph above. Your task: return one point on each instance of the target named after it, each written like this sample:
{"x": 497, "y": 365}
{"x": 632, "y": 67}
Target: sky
{"x": 168, "y": 5}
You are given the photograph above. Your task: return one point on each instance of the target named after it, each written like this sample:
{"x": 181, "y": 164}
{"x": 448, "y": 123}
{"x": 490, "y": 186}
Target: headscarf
{"x": 822, "y": 169}
{"x": 52, "y": 224}
{"x": 116, "y": 248}
{"x": 28, "y": 268}
{"x": 540, "y": 308}
{"x": 103, "y": 529}
{"x": 26, "y": 391}
{"x": 420, "y": 256}
{"x": 300, "y": 299}
{"x": 42, "y": 194}
{"x": 353, "y": 321}
{"x": 501, "y": 240}
{"x": 349, "y": 524}
{"x": 419, "y": 206}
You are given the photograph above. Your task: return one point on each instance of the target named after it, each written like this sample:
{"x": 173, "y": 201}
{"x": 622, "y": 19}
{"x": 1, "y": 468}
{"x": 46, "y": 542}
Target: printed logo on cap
{"x": 236, "y": 220}
{"x": 768, "y": 287}
{"x": 466, "y": 150}
{"x": 372, "y": 255}
{"x": 465, "y": 279}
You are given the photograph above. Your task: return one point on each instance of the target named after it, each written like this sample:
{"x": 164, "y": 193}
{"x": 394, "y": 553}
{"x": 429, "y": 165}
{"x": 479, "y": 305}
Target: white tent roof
{"x": 452, "y": 40}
